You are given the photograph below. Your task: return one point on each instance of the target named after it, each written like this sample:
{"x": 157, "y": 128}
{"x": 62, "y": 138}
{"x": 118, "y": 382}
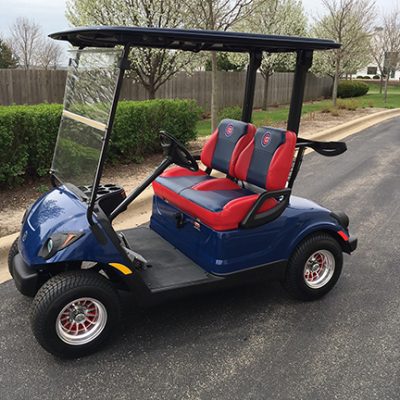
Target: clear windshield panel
{"x": 77, "y": 153}
{"x": 91, "y": 80}
{"x": 89, "y": 94}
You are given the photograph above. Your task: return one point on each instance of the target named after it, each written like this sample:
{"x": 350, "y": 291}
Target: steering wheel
{"x": 177, "y": 152}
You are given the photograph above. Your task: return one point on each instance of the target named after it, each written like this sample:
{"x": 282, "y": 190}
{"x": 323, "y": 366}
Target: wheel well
{"x": 113, "y": 276}
{"x": 51, "y": 270}
{"x": 335, "y": 236}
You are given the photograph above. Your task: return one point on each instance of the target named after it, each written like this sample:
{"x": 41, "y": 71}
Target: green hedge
{"x": 137, "y": 126}
{"x": 352, "y": 89}
{"x": 28, "y": 134}
{"x": 234, "y": 112}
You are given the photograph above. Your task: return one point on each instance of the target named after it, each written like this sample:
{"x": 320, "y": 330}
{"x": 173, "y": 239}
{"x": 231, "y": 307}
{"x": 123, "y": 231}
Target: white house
{"x": 372, "y": 70}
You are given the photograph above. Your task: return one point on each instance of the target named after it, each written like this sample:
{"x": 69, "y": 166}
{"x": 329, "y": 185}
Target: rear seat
{"x": 220, "y": 153}
{"x": 222, "y": 203}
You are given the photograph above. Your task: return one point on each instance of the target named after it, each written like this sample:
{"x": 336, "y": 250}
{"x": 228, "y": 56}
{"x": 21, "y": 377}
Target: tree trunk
{"x": 386, "y": 87}
{"x": 214, "y": 91}
{"x": 265, "y": 94}
{"x": 381, "y": 84}
{"x": 336, "y": 81}
{"x": 151, "y": 92}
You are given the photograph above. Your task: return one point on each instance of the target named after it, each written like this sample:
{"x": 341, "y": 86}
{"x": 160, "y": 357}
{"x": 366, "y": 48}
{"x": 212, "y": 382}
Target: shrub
{"x": 367, "y": 77}
{"x": 359, "y": 77}
{"x": 138, "y": 124}
{"x": 352, "y": 89}
{"x": 234, "y": 112}
{"x": 350, "y": 104}
{"x": 326, "y": 109}
{"x": 376, "y": 77}
{"x": 28, "y": 133}
{"x": 335, "y": 112}
{"x": 27, "y": 139}
{"x": 330, "y": 110}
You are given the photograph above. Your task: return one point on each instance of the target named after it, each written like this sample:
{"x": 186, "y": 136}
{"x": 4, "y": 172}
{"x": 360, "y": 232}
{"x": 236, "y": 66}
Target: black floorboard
{"x": 169, "y": 267}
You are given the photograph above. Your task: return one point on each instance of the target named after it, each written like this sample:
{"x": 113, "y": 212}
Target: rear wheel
{"x": 11, "y": 254}
{"x": 74, "y": 313}
{"x": 314, "y": 267}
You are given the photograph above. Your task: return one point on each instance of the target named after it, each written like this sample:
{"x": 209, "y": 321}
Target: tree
{"x": 349, "y": 22}
{"x": 32, "y": 48}
{"x": 25, "y": 41}
{"x": 7, "y": 58}
{"x": 49, "y": 55}
{"x": 391, "y": 29}
{"x": 218, "y": 15}
{"x": 276, "y": 17}
{"x": 151, "y": 67}
{"x": 378, "y": 49}
{"x": 225, "y": 63}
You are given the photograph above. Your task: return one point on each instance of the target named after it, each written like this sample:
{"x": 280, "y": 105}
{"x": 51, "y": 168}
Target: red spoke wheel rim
{"x": 81, "y": 321}
{"x": 319, "y": 269}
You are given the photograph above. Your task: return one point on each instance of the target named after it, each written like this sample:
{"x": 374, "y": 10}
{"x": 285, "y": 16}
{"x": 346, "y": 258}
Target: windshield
{"x": 91, "y": 81}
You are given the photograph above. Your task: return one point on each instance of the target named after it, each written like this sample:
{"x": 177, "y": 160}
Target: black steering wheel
{"x": 177, "y": 152}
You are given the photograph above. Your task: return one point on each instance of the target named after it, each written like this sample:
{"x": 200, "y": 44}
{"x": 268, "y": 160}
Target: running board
{"x": 166, "y": 267}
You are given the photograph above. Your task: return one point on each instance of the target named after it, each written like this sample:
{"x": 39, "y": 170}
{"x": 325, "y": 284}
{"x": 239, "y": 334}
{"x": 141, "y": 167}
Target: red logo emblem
{"x": 229, "y": 130}
{"x": 265, "y": 139}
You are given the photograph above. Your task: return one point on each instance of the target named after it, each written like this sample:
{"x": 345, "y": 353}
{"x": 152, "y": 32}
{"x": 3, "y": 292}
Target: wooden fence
{"x": 37, "y": 86}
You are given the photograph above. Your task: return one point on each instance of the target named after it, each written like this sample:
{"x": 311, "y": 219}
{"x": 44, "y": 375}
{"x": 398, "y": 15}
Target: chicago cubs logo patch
{"x": 265, "y": 139}
{"x": 229, "y": 130}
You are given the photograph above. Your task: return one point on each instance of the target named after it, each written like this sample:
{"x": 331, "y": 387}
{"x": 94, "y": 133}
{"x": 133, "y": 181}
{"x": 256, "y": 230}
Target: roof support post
{"x": 123, "y": 65}
{"x": 303, "y": 64}
{"x": 251, "y": 76}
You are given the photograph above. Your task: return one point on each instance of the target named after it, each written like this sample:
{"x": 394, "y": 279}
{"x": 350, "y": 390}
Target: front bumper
{"x": 353, "y": 241}
{"x": 26, "y": 280}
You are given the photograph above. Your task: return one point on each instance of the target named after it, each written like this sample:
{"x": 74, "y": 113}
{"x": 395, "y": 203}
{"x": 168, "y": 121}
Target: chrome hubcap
{"x": 319, "y": 269}
{"x": 81, "y": 321}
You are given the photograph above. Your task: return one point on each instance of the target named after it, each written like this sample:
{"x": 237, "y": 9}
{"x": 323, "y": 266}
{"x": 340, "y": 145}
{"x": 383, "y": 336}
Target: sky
{"x": 50, "y": 14}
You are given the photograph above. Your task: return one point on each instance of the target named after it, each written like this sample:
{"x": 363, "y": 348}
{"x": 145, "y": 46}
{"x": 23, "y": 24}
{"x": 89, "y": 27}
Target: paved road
{"x": 254, "y": 342}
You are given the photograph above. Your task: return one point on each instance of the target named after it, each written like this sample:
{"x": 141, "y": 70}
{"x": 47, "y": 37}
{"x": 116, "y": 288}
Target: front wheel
{"x": 11, "y": 254}
{"x": 314, "y": 267}
{"x": 74, "y": 313}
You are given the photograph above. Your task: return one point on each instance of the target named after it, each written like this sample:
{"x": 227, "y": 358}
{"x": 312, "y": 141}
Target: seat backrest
{"x": 267, "y": 159}
{"x": 225, "y": 145}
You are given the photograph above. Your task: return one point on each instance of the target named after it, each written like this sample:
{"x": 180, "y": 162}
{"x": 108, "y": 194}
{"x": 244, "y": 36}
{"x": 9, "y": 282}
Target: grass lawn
{"x": 279, "y": 114}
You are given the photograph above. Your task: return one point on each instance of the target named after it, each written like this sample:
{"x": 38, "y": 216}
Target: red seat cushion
{"x": 178, "y": 178}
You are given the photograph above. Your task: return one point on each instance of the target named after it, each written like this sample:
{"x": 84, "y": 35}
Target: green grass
{"x": 280, "y": 114}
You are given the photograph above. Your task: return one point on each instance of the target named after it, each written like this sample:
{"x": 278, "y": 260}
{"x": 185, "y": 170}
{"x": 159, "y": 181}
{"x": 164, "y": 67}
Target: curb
{"x": 351, "y": 127}
{"x": 144, "y": 200}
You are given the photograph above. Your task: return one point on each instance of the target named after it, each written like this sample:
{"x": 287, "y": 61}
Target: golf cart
{"x": 205, "y": 232}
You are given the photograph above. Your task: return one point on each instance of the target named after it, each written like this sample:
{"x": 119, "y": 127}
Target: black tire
{"x": 295, "y": 281}
{"x": 57, "y": 293}
{"x": 11, "y": 254}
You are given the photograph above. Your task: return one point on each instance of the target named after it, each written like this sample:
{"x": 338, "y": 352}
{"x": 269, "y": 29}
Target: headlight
{"x": 57, "y": 242}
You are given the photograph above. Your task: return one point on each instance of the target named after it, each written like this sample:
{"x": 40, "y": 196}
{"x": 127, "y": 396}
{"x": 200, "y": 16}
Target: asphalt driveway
{"x": 252, "y": 342}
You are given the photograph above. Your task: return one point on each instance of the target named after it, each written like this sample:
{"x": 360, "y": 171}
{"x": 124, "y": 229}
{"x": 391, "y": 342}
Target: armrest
{"x": 197, "y": 157}
{"x": 328, "y": 149}
{"x": 252, "y": 219}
